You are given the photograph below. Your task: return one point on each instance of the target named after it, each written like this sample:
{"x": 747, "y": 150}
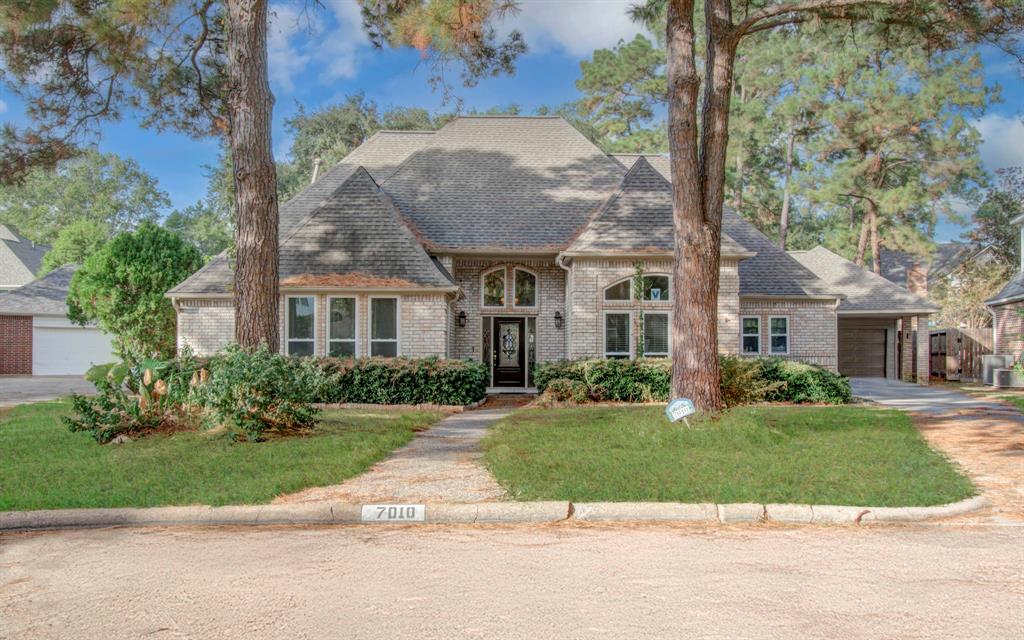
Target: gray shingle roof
{"x": 492, "y": 183}
{"x": 657, "y": 160}
{"x": 1011, "y": 291}
{"x": 20, "y": 258}
{"x": 637, "y": 218}
{"x": 945, "y": 257}
{"x": 863, "y": 290}
{"x": 355, "y": 238}
{"x": 45, "y": 296}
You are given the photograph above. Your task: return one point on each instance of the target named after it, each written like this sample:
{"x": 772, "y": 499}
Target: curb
{"x": 478, "y": 513}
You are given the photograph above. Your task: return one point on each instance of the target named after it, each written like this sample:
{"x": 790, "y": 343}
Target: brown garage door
{"x": 862, "y": 353}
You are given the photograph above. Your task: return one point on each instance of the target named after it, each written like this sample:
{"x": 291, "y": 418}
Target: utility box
{"x": 990, "y": 363}
{"x": 1007, "y": 379}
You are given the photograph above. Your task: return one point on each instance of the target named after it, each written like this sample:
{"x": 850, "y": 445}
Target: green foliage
{"x": 961, "y": 294}
{"x": 74, "y": 243}
{"x": 565, "y": 390}
{"x": 402, "y": 381}
{"x": 255, "y": 391}
{"x": 992, "y": 219}
{"x": 102, "y": 188}
{"x": 203, "y": 225}
{"x": 743, "y": 380}
{"x": 621, "y": 88}
{"x": 122, "y": 287}
{"x": 804, "y": 383}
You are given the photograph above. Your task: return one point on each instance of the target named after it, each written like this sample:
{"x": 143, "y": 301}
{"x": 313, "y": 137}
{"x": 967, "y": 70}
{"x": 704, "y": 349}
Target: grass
{"x": 45, "y": 466}
{"x": 817, "y": 455}
{"x": 1013, "y": 397}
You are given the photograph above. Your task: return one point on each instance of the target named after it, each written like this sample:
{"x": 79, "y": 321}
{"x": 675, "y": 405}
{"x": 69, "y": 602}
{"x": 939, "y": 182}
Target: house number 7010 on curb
{"x": 393, "y": 513}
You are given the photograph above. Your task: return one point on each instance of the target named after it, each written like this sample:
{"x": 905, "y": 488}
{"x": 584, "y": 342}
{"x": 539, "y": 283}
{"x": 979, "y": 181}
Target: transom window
{"x": 779, "y": 327}
{"x": 301, "y": 320}
{"x": 526, "y": 289}
{"x": 616, "y": 335}
{"x": 656, "y": 332}
{"x": 656, "y": 289}
{"x": 494, "y": 288}
{"x": 384, "y": 327}
{"x": 750, "y": 335}
{"x": 341, "y": 337}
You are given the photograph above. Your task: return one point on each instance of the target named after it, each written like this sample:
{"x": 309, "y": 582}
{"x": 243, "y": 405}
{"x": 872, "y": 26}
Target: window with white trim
{"x": 750, "y": 335}
{"x": 301, "y": 329}
{"x": 656, "y": 334}
{"x": 616, "y": 334}
{"x": 621, "y": 290}
{"x": 779, "y": 336}
{"x": 384, "y": 327}
{"x": 656, "y": 288}
{"x": 493, "y": 288}
{"x": 526, "y": 289}
{"x": 341, "y": 327}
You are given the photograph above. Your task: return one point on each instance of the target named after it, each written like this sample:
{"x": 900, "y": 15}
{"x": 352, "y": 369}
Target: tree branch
{"x": 773, "y": 13}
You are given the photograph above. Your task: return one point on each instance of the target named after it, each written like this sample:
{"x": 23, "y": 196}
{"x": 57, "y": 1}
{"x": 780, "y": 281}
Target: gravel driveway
{"x": 23, "y": 389}
{"x": 553, "y": 581}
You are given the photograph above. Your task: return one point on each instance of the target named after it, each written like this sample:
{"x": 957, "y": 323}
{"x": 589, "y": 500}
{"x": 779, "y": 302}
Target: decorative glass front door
{"x": 509, "y": 354}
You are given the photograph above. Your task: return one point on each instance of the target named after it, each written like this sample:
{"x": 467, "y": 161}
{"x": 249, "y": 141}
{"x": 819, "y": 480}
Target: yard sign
{"x": 679, "y": 409}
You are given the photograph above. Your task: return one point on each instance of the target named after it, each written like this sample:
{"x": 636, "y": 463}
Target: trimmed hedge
{"x": 643, "y": 380}
{"x": 402, "y": 381}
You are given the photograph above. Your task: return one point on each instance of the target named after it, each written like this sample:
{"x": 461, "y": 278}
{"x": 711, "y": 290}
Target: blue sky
{"x": 319, "y": 56}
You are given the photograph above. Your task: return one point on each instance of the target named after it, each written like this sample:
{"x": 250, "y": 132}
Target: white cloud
{"x": 3, "y": 107}
{"x": 1003, "y": 141}
{"x": 576, "y": 26}
{"x": 285, "y": 56}
{"x": 338, "y": 52}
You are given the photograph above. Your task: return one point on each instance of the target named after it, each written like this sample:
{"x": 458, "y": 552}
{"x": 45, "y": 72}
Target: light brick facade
{"x": 813, "y": 336}
{"x": 15, "y": 345}
{"x": 1009, "y": 329}
{"x": 206, "y": 326}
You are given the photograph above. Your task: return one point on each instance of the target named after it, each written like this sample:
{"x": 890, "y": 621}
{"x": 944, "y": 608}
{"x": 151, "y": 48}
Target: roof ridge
{"x": 318, "y": 208}
{"x": 507, "y": 115}
{"x": 607, "y": 202}
{"x": 402, "y": 131}
{"x": 871, "y": 273}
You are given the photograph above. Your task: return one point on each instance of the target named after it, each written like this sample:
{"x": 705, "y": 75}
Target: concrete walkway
{"x": 441, "y": 464}
{"x": 922, "y": 399}
{"x": 16, "y": 390}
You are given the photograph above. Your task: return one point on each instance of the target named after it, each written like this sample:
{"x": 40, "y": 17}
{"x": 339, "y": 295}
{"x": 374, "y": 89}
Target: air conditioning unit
{"x": 990, "y": 363}
{"x": 1007, "y": 379}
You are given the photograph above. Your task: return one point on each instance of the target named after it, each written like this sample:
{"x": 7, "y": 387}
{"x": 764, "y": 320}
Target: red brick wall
{"x": 1009, "y": 329}
{"x": 15, "y": 345}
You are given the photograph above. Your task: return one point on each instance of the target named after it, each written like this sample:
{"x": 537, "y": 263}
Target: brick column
{"x": 924, "y": 350}
{"x": 907, "y": 356}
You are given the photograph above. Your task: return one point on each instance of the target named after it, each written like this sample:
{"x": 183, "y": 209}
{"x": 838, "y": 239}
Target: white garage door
{"x": 62, "y": 348}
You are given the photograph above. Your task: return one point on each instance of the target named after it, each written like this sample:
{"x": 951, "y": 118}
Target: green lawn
{"x": 817, "y": 455}
{"x": 45, "y": 466}
{"x": 1016, "y": 400}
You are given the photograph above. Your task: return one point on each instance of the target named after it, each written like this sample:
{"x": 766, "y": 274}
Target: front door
{"x": 509, "y": 355}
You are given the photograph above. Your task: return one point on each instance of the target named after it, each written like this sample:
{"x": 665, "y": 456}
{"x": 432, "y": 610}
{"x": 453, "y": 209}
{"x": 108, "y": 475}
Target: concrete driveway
{"x": 24, "y": 389}
{"x": 921, "y": 399}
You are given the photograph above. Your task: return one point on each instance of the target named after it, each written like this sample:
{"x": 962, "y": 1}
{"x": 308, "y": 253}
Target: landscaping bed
{"x": 46, "y": 466}
{"x": 760, "y": 454}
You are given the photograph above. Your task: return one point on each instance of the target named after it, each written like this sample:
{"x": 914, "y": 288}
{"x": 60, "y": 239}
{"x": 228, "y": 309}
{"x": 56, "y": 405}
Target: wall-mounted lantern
{"x": 462, "y": 318}
{"x": 558, "y": 319}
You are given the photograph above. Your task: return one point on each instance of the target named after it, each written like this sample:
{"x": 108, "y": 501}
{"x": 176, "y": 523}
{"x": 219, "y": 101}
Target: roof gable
{"x": 638, "y": 218}
{"x": 863, "y": 290}
{"x": 45, "y": 296}
{"x": 20, "y": 258}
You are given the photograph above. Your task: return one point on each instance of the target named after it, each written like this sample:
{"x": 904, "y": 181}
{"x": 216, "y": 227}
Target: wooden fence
{"x": 956, "y": 353}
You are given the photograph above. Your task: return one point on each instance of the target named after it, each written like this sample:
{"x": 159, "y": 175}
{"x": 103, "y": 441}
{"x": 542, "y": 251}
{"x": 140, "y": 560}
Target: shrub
{"x": 805, "y": 383}
{"x": 109, "y": 414}
{"x": 743, "y": 380}
{"x": 256, "y": 391}
{"x": 565, "y": 390}
{"x": 402, "y": 381}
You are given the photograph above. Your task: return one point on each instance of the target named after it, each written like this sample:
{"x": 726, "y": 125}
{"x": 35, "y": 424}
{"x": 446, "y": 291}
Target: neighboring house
{"x": 20, "y": 258}
{"x": 1006, "y": 307}
{"x": 514, "y": 240}
{"x": 36, "y": 337}
{"x": 920, "y": 273}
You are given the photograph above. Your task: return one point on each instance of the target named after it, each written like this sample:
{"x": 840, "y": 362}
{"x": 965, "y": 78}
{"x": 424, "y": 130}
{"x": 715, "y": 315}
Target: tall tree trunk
{"x": 862, "y": 242}
{"x": 250, "y": 105}
{"x": 740, "y": 168}
{"x": 786, "y": 190}
{"x": 876, "y": 245}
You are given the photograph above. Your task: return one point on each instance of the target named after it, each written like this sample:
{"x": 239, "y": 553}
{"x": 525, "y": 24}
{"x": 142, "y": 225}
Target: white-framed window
{"x": 492, "y": 288}
{"x": 778, "y": 337}
{"x": 621, "y": 290}
{"x": 656, "y": 287}
{"x": 384, "y": 329}
{"x": 617, "y": 334}
{"x": 525, "y": 284}
{"x": 300, "y": 325}
{"x": 750, "y": 335}
{"x": 342, "y": 327}
{"x": 656, "y": 334}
